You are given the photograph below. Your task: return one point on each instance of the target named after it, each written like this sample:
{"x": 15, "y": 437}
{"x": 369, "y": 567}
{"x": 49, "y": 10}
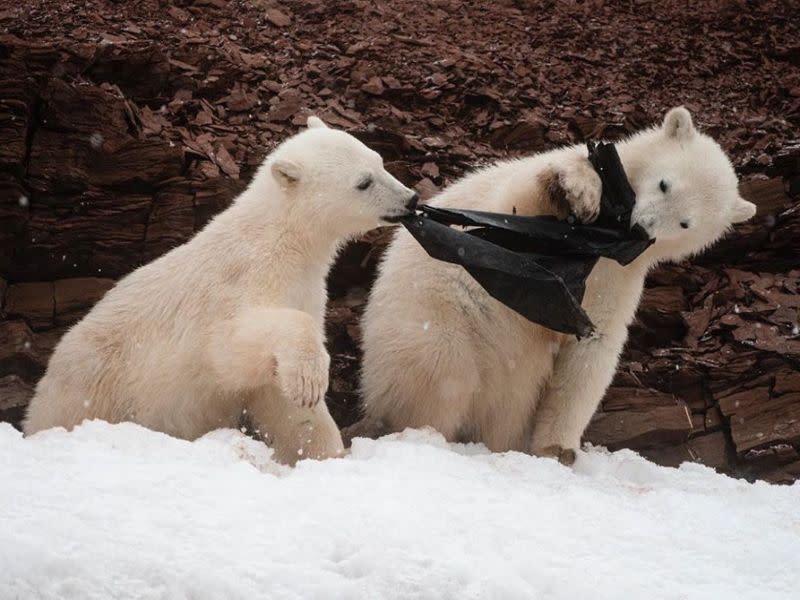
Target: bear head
{"x": 343, "y": 183}
{"x": 686, "y": 189}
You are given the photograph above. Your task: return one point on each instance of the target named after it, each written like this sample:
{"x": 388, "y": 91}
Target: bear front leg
{"x": 294, "y": 432}
{"x": 282, "y": 347}
{"x": 582, "y": 372}
{"x": 575, "y": 184}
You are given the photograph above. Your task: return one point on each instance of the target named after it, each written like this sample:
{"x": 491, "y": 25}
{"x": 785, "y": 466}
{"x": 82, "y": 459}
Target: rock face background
{"x": 125, "y": 126}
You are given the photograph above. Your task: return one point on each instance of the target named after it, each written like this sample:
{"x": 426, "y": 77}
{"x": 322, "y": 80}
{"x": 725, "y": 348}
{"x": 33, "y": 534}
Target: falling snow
{"x": 96, "y": 140}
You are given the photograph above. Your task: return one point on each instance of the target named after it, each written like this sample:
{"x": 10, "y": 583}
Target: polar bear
{"x": 231, "y": 324}
{"x": 440, "y": 352}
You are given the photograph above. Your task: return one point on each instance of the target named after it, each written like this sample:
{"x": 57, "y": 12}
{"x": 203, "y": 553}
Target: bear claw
{"x": 566, "y": 456}
{"x": 304, "y": 379}
{"x": 583, "y": 189}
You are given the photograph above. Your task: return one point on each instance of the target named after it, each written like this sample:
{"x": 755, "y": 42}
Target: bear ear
{"x": 285, "y": 172}
{"x": 315, "y": 123}
{"x": 678, "y": 124}
{"x": 742, "y": 210}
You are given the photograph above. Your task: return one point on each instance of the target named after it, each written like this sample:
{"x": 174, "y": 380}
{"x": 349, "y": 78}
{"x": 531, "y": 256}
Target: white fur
{"x": 439, "y": 351}
{"x": 230, "y": 324}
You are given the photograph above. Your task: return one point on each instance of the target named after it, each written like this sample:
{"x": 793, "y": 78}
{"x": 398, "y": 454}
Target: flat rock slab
{"x": 640, "y": 429}
{"x": 74, "y": 297}
{"x": 34, "y": 301}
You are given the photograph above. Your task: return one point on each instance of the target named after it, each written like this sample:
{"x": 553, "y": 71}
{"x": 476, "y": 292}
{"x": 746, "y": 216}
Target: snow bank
{"x": 122, "y": 512}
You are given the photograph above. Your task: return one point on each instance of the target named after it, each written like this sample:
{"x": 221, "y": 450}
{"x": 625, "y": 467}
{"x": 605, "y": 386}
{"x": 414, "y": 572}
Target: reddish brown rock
{"x": 769, "y": 195}
{"x": 635, "y": 398}
{"x": 713, "y": 419}
{"x": 659, "y": 320}
{"x": 278, "y": 18}
{"x": 430, "y": 170}
{"x": 710, "y": 450}
{"x": 426, "y": 189}
{"x": 523, "y": 135}
{"x": 746, "y": 399}
{"x": 75, "y": 297}
{"x": 374, "y": 86}
{"x": 784, "y": 474}
{"x": 668, "y": 455}
{"x": 640, "y": 429}
{"x": 24, "y": 353}
{"x": 171, "y": 221}
{"x": 14, "y": 397}
{"x": 18, "y": 101}
{"x": 76, "y": 161}
{"x": 32, "y": 301}
{"x": 774, "y": 422}
{"x": 785, "y": 382}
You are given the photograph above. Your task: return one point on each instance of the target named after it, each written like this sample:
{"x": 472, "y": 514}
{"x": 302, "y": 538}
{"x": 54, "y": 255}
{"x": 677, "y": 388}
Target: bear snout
{"x": 407, "y": 210}
{"x": 645, "y": 222}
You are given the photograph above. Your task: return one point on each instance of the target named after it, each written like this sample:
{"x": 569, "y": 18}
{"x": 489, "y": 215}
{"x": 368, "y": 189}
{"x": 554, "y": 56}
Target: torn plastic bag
{"x": 538, "y": 266}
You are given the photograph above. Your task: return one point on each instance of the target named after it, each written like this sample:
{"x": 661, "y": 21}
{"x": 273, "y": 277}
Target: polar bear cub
{"x": 231, "y": 324}
{"x": 440, "y": 352}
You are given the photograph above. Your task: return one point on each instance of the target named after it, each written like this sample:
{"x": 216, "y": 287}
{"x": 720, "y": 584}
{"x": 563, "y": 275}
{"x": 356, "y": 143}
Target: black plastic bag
{"x": 538, "y": 266}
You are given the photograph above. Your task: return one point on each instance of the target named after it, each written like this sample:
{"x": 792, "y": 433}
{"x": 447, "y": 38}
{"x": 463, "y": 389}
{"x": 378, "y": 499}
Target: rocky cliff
{"x": 125, "y": 126}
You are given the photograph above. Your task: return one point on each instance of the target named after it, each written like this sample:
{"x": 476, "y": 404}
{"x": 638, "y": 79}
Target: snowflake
{"x": 96, "y": 140}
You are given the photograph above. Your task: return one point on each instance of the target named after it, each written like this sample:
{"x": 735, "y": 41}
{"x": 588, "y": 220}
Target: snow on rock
{"x": 122, "y": 512}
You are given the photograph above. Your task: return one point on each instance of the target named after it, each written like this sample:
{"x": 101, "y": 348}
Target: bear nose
{"x": 412, "y": 202}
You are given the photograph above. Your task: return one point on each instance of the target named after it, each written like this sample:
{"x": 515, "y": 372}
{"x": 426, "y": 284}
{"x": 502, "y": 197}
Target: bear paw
{"x": 582, "y": 189}
{"x": 304, "y": 378}
{"x": 566, "y": 456}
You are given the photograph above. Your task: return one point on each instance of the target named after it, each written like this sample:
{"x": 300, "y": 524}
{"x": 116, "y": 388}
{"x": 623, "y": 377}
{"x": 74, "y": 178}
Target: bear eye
{"x": 663, "y": 186}
{"x": 365, "y": 183}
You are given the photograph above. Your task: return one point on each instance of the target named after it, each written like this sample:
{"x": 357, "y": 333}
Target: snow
{"x": 122, "y": 512}
{"x": 96, "y": 140}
